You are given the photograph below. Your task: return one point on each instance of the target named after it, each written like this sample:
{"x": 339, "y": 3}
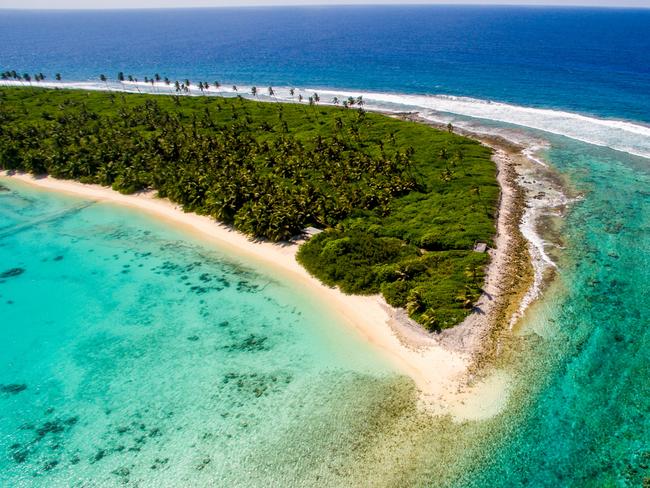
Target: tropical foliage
{"x": 401, "y": 204}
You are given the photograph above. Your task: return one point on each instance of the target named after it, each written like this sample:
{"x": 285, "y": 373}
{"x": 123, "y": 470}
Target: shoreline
{"x": 432, "y": 370}
{"x": 447, "y": 368}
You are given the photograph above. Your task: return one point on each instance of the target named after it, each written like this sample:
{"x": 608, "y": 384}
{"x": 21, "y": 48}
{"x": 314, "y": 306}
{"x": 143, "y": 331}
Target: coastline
{"x": 449, "y": 369}
{"x": 432, "y": 369}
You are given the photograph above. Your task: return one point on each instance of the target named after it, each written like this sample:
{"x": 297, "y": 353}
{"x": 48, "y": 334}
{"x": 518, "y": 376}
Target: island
{"x": 409, "y": 231}
{"x": 402, "y": 206}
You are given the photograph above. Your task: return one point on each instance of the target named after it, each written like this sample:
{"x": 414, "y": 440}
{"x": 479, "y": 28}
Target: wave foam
{"x": 620, "y": 135}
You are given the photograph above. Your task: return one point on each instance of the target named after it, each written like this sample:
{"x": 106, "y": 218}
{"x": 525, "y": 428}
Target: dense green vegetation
{"x": 402, "y": 204}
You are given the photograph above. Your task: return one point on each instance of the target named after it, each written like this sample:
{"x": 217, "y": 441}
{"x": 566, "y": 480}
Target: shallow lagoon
{"x": 132, "y": 351}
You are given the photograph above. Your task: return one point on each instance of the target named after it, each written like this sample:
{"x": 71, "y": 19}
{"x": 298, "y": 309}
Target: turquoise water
{"x": 132, "y": 352}
{"x": 586, "y": 422}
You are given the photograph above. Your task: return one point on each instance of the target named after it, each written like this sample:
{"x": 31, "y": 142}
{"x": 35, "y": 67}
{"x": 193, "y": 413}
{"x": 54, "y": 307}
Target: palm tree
{"x": 465, "y": 296}
{"x": 429, "y": 320}
{"x": 476, "y": 190}
{"x": 234, "y": 88}
{"x": 167, "y": 83}
{"x": 120, "y": 77}
{"x": 254, "y": 91}
{"x": 272, "y": 94}
{"x": 335, "y": 100}
{"x": 58, "y": 77}
{"x": 471, "y": 271}
{"x": 414, "y": 302}
{"x": 292, "y": 91}
{"x": 447, "y": 175}
{"x": 103, "y": 78}
{"x": 133, "y": 80}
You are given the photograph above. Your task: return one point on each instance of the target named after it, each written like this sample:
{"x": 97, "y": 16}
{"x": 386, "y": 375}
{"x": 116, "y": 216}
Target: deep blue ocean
{"x": 581, "y": 60}
{"x": 570, "y": 85}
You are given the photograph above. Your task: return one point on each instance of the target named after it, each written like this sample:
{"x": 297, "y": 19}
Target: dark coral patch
{"x": 13, "y": 388}
{"x": 11, "y": 273}
{"x": 246, "y": 287}
{"x": 122, "y": 472}
{"x": 50, "y": 427}
{"x": 99, "y": 455}
{"x": 252, "y": 343}
{"x": 256, "y": 384}
{"x": 200, "y": 290}
{"x": 20, "y": 455}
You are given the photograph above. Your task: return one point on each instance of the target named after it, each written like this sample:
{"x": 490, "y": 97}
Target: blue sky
{"x": 99, "y": 4}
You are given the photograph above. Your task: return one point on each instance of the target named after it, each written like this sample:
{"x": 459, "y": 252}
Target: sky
{"x": 119, "y": 4}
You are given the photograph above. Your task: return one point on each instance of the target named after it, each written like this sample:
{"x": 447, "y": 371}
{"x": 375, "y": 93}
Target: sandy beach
{"x": 443, "y": 366}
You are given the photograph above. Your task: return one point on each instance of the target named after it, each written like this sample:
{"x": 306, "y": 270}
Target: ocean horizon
{"x": 568, "y": 86}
